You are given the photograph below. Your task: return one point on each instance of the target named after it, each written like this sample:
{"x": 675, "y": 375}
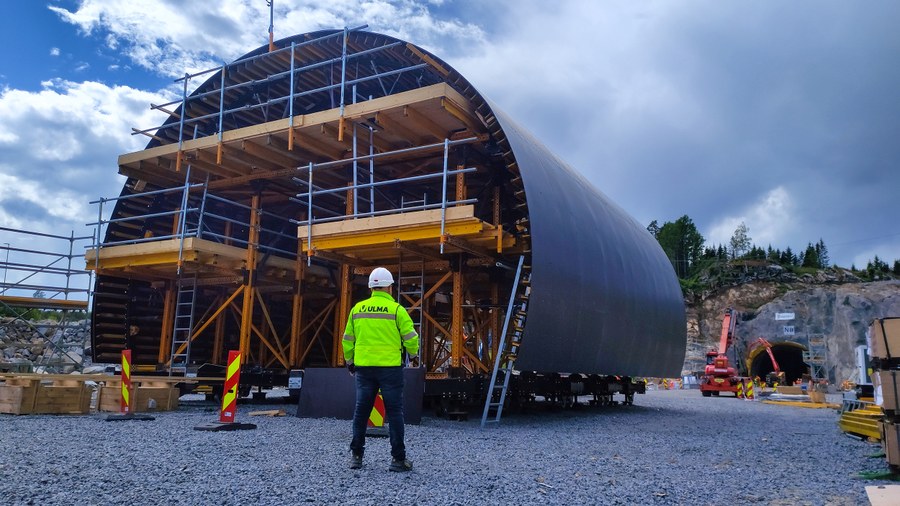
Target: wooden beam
{"x": 236, "y": 167}
{"x": 251, "y": 159}
{"x": 466, "y": 246}
{"x": 394, "y": 127}
{"x": 461, "y": 114}
{"x": 42, "y": 303}
{"x": 428, "y": 59}
{"x": 425, "y": 123}
{"x": 417, "y": 250}
{"x": 337, "y": 257}
{"x": 276, "y": 157}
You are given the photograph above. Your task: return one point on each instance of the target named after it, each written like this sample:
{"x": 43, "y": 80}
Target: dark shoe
{"x": 355, "y": 461}
{"x": 400, "y": 466}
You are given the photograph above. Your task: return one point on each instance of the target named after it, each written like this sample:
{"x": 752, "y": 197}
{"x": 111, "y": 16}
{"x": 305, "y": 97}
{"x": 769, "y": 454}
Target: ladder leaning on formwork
{"x": 186, "y": 286}
{"x": 411, "y": 289}
{"x": 183, "y": 324}
{"x": 504, "y": 361}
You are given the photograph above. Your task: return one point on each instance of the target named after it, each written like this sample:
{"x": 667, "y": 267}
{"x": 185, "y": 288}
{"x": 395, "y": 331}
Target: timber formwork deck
{"x": 271, "y": 225}
{"x": 289, "y": 174}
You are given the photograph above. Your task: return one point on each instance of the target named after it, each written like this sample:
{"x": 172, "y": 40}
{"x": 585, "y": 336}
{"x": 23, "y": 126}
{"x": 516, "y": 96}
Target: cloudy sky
{"x": 783, "y": 115}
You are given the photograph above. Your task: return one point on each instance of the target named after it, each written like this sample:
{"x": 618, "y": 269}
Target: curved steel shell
{"x": 605, "y": 298}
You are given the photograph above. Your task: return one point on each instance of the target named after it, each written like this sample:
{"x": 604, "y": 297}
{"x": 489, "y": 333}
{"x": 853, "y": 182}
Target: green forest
{"x": 693, "y": 259}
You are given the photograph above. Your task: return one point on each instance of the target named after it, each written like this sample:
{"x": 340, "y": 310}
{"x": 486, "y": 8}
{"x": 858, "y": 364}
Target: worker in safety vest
{"x": 378, "y": 330}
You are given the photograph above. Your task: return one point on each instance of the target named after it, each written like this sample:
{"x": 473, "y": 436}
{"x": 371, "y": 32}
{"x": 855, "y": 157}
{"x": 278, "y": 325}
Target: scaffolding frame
{"x": 53, "y": 286}
{"x": 413, "y": 147}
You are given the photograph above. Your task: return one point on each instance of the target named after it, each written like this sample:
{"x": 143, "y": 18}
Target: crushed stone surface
{"x": 671, "y": 447}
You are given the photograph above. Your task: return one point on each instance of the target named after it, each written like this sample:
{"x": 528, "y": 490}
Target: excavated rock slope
{"x": 841, "y": 313}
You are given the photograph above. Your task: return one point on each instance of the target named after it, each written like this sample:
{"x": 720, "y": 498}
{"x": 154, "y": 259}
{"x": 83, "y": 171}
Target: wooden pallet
{"x": 54, "y": 397}
{"x": 146, "y": 396}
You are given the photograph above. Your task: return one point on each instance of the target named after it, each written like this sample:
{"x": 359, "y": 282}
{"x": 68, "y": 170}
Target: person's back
{"x": 378, "y": 330}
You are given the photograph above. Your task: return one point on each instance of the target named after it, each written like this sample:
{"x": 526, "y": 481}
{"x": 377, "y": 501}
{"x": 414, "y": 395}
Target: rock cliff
{"x": 788, "y": 310}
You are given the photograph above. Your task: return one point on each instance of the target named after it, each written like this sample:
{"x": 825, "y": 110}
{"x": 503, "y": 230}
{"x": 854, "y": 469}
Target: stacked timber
{"x": 34, "y": 396}
{"x": 71, "y": 394}
{"x": 145, "y": 395}
{"x": 885, "y": 351}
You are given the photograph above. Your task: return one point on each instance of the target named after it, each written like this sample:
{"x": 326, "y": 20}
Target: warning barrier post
{"x": 375, "y": 426}
{"x": 125, "y": 405}
{"x": 229, "y": 399}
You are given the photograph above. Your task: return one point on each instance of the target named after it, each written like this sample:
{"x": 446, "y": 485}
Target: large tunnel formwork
{"x": 253, "y": 216}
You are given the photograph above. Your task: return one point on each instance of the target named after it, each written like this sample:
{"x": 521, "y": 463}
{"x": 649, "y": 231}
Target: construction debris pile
{"x": 36, "y": 346}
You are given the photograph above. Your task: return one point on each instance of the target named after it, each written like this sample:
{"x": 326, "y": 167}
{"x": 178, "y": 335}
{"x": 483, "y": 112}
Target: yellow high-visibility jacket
{"x": 377, "y": 330}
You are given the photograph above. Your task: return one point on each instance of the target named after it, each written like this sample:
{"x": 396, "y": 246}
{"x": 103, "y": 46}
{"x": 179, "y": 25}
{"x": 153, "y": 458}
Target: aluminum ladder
{"x": 183, "y": 323}
{"x": 412, "y": 286}
{"x": 504, "y": 361}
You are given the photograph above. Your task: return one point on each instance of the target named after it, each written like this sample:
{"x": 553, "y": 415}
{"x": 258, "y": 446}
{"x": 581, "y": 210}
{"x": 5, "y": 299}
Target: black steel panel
{"x": 605, "y": 298}
{"x": 330, "y": 392}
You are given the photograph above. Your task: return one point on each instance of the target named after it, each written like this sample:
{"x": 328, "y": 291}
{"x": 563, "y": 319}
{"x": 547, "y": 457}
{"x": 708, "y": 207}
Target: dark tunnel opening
{"x": 789, "y": 357}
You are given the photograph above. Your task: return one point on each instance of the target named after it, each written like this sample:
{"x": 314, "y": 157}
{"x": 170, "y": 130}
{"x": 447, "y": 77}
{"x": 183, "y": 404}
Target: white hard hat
{"x": 380, "y": 277}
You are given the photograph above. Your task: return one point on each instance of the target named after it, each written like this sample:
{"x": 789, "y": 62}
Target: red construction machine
{"x": 719, "y": 376}
{"x": 777, "y": 375}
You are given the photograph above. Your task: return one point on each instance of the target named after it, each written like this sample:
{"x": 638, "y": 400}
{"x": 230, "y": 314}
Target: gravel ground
{"x": 671, "y": 447}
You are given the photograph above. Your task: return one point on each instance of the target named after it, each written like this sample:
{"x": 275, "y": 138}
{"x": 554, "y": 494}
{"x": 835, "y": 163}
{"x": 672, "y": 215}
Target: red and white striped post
{"x": 126, "y": 402}
{"x": 125, "y": 405}
{"x": 229, "y": 399}
{"x": 229, "y": 396}
{"x": 375, "y": 425}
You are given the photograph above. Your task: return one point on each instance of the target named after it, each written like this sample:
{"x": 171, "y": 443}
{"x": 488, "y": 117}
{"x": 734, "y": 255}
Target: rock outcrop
{"x": 43, "y": 345}
{"x": 821, "y": 306}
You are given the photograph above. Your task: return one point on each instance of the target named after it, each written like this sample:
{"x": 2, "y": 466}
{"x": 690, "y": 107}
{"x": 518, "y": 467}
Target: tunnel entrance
{"x": 788, "y": 355}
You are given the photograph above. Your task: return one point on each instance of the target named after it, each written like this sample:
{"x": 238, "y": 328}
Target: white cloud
{"x": 173, "y": 37}
{"x": 54, "y": 51}
{"x": 58, "y": 149}
{"x": 770, "y": 221}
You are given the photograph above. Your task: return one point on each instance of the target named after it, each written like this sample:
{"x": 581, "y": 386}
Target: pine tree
{"x": 653, "y": 228}
{"x": 810, "y": 257}
{"x": 822, "y": 252}
{"x": 896, "y": 269}
{"x": 787, "y": 257}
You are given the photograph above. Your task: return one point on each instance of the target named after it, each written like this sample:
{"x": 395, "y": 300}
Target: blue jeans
{"x": 368, "y": 381}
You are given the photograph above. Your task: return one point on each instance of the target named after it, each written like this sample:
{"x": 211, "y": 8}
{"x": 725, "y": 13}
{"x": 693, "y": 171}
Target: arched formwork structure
{"x": 789, "y": 356}
{"x": 254, "y": 214}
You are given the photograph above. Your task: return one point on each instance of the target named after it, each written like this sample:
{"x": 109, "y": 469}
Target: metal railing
{"x": 202, "y": 216}
{"x": 313, "y": 190}
{"x": 292, "y": 52}
{"x": 35, "y": 281}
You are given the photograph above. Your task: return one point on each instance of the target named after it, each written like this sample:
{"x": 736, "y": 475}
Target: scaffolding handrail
{"x": 185, "y": 229}
{"x": 386, "y": 182}
{"x": 43, "y": 234}
{"x": 269, "y": 53}
{"x": 289, "y": 74}
{"x": 51, "y": 275}
{"x": 276, "y": 76}
{"x": 267, "y": 103}
{"x": 384, "y": 211}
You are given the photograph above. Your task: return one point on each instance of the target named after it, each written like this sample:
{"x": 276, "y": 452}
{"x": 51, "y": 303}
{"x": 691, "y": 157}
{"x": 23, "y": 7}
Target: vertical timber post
{"x": 296, "y": 311}
{"x": 456, "y": 325}
{"x": 219, "y": 335}
{"x": 165, "y": 341}
{"x": 247, "y": 309}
